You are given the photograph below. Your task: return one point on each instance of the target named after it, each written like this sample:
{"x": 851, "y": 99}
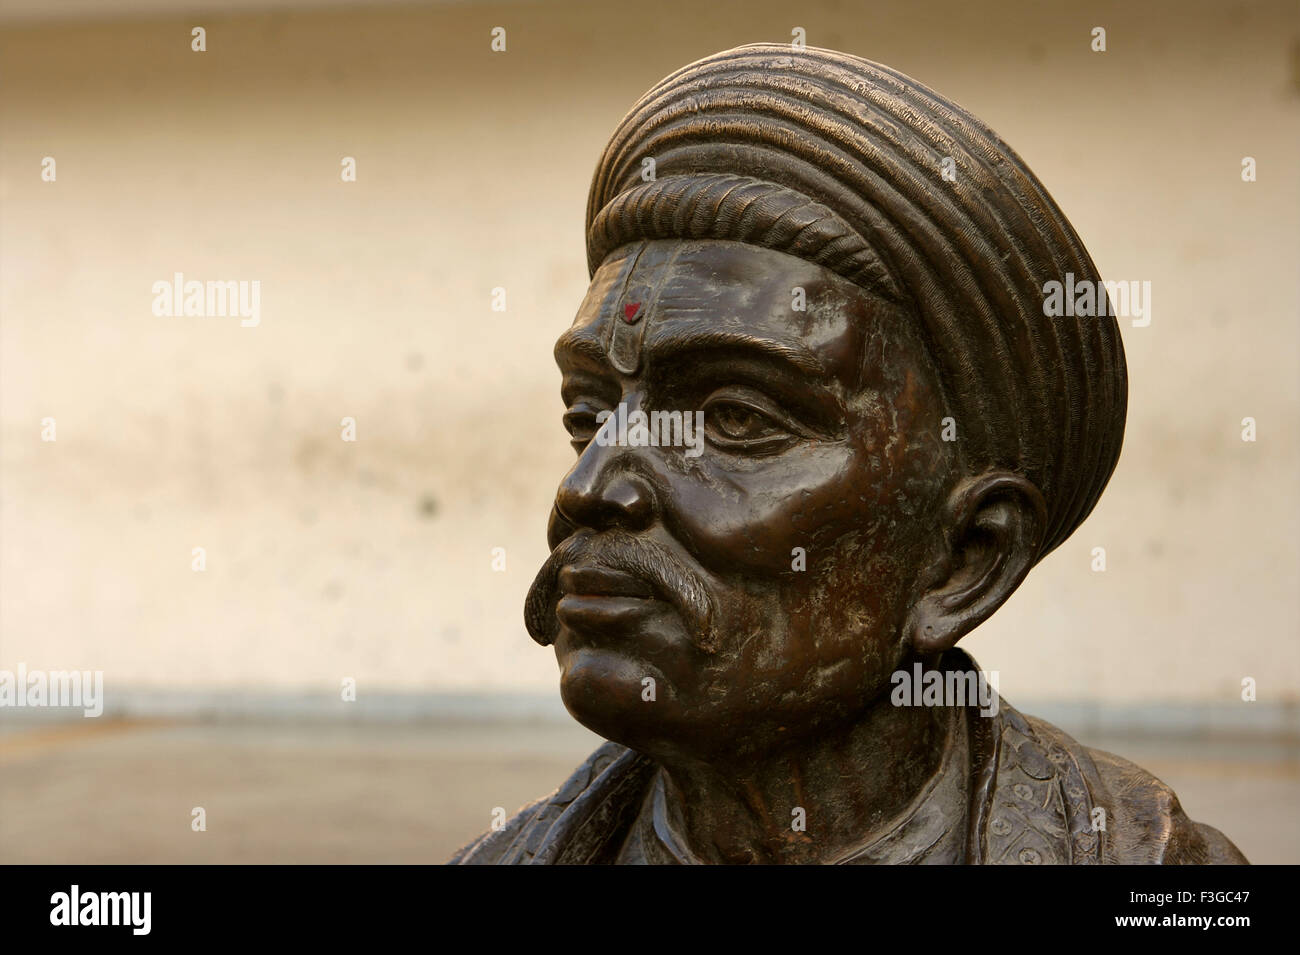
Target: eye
{"x": 580, "y": 422}
{"x": 736, "y": 423}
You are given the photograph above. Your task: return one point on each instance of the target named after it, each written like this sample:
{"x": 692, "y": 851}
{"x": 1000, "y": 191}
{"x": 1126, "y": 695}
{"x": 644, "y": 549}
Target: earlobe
{"x": 994, "y": 528}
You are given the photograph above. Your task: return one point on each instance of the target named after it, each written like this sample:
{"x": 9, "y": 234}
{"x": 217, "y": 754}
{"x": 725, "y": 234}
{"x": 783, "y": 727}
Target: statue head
{"x": 823, "y": 424}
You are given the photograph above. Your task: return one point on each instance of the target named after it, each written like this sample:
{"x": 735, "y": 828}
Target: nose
{"x": 604, "y": 491}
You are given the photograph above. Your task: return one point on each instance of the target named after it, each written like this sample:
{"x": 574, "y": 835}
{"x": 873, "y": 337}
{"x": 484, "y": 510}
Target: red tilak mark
{"x": 630, "y": 310}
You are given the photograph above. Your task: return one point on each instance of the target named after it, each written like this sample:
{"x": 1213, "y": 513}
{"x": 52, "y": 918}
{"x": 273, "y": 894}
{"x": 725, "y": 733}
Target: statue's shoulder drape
{"x": 584, "y": 821}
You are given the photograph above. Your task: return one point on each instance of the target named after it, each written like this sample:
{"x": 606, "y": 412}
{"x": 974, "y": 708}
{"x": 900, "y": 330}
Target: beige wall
{"x": 473, "y": 170}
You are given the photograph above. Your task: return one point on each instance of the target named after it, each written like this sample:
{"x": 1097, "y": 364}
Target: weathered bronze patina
{"x": 843, "y": 273}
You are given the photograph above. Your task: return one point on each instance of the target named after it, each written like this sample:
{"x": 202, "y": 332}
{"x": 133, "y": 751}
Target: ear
{"x": 994, "y": 528}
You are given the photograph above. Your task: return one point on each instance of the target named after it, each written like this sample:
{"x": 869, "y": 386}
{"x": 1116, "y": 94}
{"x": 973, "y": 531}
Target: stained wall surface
{"x": 373, "y": 559}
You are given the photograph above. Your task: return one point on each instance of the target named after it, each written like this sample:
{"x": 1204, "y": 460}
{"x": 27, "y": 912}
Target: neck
{"x": 851, "y": 783}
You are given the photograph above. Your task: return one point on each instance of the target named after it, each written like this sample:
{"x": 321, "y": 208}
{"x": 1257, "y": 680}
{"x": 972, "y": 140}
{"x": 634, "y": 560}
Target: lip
{"x": 596, "y": 598}
{"x": 601, "y": 582}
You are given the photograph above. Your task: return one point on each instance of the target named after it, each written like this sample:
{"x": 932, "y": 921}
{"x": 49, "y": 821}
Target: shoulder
{"x": 1144, "y": 824}
{"x": 1150, "y": 825}
{"x": 520, "y": 839}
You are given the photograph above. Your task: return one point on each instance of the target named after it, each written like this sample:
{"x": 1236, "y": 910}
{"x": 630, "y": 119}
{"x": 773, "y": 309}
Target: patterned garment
{"x": 1030, "y": 792}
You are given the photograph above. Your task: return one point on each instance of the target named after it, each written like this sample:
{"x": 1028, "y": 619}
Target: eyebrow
{"x": 799, "y": 357}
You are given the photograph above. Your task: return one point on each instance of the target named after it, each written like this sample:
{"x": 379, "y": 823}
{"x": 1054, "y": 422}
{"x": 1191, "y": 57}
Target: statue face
{"x": 761, "y": 580}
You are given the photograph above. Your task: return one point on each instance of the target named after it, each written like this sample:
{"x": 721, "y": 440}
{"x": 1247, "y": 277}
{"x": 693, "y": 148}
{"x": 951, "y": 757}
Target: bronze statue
{"x": 824, "y": 429}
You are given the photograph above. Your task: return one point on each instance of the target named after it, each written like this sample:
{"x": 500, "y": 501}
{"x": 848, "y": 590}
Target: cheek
{"x": 807, "y": 657}
{"x": 830, "y": 633}
{"x": 775, "y": 515}
{"x": 833, "y": 630}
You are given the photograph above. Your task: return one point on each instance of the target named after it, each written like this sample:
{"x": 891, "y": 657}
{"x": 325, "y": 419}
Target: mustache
{"x": 618, "y": 550}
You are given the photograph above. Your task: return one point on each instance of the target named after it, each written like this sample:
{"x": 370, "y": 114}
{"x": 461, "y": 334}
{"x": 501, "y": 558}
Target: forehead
{"x": 652, "y": 299}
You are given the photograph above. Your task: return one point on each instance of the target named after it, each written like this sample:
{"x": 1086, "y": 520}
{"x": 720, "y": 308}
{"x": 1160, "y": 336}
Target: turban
{"x": 856, "y": 167}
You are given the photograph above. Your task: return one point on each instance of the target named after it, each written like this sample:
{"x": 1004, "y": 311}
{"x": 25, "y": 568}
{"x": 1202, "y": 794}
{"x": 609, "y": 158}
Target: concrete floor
{"x": 122, "y": 792}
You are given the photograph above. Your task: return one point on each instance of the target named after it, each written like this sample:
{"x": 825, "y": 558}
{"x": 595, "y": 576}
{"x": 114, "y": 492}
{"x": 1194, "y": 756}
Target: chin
{"x": 602, "y": 690}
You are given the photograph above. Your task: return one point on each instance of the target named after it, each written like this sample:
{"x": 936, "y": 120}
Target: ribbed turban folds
{"x": 841, "y": 161}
